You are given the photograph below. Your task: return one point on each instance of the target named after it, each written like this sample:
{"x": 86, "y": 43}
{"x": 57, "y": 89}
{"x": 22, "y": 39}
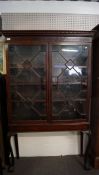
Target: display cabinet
{"x": 48, "y": 80}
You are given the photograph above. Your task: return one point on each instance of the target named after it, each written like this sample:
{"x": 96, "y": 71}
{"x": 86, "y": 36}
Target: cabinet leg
{"x": 81, "y": 143}
{"x": 16, "y": 146}
{"x": 1, "y": 169}
{"x": 87, "y": 162}
{"x": 10, "y": 155}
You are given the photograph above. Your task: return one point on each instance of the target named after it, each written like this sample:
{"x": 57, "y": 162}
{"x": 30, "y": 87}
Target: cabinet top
{"x": 63, "y": 33}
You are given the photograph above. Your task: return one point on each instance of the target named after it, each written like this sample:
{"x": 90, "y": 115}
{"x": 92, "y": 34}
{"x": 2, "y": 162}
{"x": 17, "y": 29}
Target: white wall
{"x": 69, "y": 7}
{"x": 49, "y": 143}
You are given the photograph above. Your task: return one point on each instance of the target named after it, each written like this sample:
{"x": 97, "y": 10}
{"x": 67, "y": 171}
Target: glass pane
{"x": 28, "y": 81}
{"x": 69, "y": 81}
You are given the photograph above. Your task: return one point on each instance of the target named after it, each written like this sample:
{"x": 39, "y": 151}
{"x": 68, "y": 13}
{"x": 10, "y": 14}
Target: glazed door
{"x": 49, "y": 82}
{"x": 70, "y": 82}
{"x": 28, "y": 81}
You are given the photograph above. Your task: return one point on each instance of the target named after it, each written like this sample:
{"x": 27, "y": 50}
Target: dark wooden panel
{"x": 95, "y": 103}
{"x": 16, "y": 33}
{"x": 48, "y": 127}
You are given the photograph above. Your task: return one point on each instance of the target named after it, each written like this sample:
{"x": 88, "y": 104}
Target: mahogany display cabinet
{"x": 49, "y": 80}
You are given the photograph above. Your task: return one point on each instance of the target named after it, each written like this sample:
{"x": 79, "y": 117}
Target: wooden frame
{"x": 75, "y": 37}
{"x": 95, "y": 102}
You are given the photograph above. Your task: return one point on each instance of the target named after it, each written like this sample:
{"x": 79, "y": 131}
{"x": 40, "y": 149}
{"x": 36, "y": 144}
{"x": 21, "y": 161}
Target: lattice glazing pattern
{"x": 69, "y": 81}
{"x": 27, "y": 77}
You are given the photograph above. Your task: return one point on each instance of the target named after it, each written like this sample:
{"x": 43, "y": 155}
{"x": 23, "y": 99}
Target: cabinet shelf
{"x": 35, "y": 101}
{"x": 64, "y": 66}
{"x": 70, "y": 83}
{"x": 41, "y": 67}
{"x": 21, "y": 67}
{"x": 26, "y": 84}
{"x": 76, "y": 99}
{"x": 55, "y": 100}
{"x": 53, "y": 84}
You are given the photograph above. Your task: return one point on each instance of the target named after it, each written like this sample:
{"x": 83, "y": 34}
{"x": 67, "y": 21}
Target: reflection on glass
{"x": 69, "y": 81}
{"x": 28, "y": 75}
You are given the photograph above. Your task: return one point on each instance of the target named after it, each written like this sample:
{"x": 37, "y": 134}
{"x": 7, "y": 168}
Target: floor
{"x": 57, "y": 165}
